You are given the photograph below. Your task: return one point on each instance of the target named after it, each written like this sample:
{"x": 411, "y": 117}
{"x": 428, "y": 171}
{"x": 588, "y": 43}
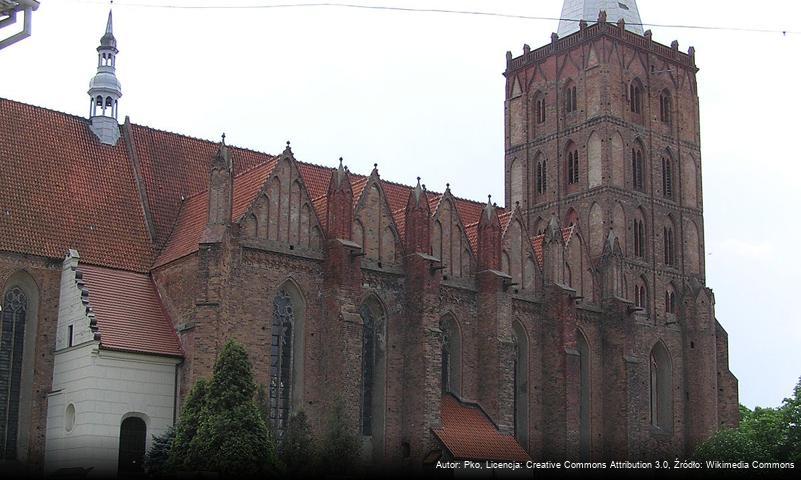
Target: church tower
{"x": 602, "y": 134}
{"x": 105, "y": 90}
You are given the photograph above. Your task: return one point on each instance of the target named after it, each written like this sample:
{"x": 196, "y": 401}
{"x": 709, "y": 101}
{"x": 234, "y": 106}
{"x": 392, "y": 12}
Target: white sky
{"x": 422, "y": 94}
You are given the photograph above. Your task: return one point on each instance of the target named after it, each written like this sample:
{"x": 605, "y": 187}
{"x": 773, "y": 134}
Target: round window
{"x": 69, "y": 417}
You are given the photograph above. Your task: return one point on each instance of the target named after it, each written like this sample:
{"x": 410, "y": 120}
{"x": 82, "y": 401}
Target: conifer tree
{"x": 156, "y": 458}
{"x": 185, "y": 430}
{"x": 232, "y": 437}
{"x": 298, "y": 452}
{"x": 340, "y": 447}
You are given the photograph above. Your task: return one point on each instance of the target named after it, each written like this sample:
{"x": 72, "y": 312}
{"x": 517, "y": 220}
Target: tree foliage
{"x": 156, "y": 458}
{"x": 180, "y": 454}
{"x": 340, "y": 449}
{"x": 764, "y": 434}
{"x": 232, "y": 437}
{"x": 298, "y": 450}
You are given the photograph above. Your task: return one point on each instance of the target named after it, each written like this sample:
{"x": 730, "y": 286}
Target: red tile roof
{"x": 61, "y": 189}
{"x": 174, "y": 165}
{"x": 129, "y": 314}
{"x": 469, "y": 434}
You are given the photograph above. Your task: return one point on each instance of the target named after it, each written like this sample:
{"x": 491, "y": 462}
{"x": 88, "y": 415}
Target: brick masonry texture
{"x": 553, "y": 275}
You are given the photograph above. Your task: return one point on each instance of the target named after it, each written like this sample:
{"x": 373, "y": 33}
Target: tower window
{"x": 635, "y": 97}
{"x": 542, "y": 178}
{"x": 670, "y": 256}
{"x": 570, "y": 98}
{"x": 670, "y": 302}
{"x": 637, "y": 168}
{"x": 572, "y": 167}
{"x": 540, "y": 109}
{"x": 667, "y": 177}
{"x": 640, "y": 295}
{"x": 665, "y": 107}
{"x": 639, "y": 238}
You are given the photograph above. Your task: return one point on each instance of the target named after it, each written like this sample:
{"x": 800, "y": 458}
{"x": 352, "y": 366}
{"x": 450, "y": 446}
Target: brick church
{"x": 575, "y": 322}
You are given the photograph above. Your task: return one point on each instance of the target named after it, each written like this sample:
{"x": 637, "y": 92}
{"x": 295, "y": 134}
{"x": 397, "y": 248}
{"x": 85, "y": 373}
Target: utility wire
{"x": 430, "y": 10}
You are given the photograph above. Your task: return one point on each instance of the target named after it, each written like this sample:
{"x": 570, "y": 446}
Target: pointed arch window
{"x": 281, "y": 361}
{"x": 661, "y": 378}
{"x": 667, "y": 177}
{"x": 670, "y": 301}
{"x": 669, "y": 246}
{"x": 570, "y": 97}
{"x": 12, "y": 339}
{"x": 584, "y": 394}
{"x": 539, "y": 108}
{"x": 637, "y": 169}
{"x": 572, "y": 167}
{"x": 641, "y": 295}
{"x": 665, "y": 107}
{"x": 635, "y": 97}
{"x": 639, "y": 238}
{"x": 542, "y": 177}
{"x": 451, "y": 356}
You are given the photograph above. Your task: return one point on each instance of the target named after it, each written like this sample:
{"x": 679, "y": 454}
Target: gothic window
{"x": 637, "y": 168}
{"x": 670, "y": 301}
{"x": 542, "y": 177}
{"x": 639, "y": 238}
{"x": 665, "y": 107}
{"x": 570, "y": 98}
{"x": 661, "y": 401}
{"x": 667, "y": 177}
{"x": 640, "y": 295}
{"x": 635, "y": 97}
{"x": 372, "y": 363}
{"x": 539, "y": 108}
{"x": 451, "y": 355}
{"x": 572, "y": 167}
{"x": 12, "y": 338}
{"x": 281, "y": 361}
{"x": 669, "y": 245}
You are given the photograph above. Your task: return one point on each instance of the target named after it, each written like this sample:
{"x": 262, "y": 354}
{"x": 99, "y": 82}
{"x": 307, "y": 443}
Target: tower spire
{"x": 105, "y": 90}
{"x": 588, "y": 10}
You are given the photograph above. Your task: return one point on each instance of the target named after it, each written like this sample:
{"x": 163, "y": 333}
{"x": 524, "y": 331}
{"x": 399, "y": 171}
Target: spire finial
{"x": 288, "y": 149}
{"x": 418, "y": 191}
{"x": 223, "y": 138}
{"x": 109, "y": 26}
{"x": 489, "y": 208}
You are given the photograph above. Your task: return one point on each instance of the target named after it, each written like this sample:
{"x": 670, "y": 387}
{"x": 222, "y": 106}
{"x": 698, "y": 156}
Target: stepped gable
{"x": 468, "y": 433}
{"x": 114, "y": 294}
{"x": 63, "y": 189}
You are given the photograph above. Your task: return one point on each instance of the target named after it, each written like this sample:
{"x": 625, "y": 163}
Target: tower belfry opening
{"x": 105, "y": 90}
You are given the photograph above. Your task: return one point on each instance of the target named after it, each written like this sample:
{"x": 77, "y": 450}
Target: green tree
{"x": 764, "y": 434}
{"x": 156, "y": 458}
{"x": 186, "y": 429}
{"x": 232, "y": 437}
{"x": 298, "y": 453}
{"x": 340, "y": 447}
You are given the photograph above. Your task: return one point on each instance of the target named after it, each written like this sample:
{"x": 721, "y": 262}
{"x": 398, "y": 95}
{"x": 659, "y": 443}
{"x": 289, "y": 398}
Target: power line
{"x": 430, "y": 10}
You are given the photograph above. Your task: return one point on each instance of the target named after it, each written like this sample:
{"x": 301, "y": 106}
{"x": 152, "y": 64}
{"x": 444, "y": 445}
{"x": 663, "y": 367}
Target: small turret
{"x": 105, "y": 90}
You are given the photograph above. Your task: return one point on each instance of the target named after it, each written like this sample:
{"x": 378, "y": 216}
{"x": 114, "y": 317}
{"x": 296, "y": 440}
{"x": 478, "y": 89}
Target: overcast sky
{"x": 422, "y": 94}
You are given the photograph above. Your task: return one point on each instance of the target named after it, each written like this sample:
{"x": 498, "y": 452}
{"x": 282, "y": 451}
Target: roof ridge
{"x": 52, "y": 110}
